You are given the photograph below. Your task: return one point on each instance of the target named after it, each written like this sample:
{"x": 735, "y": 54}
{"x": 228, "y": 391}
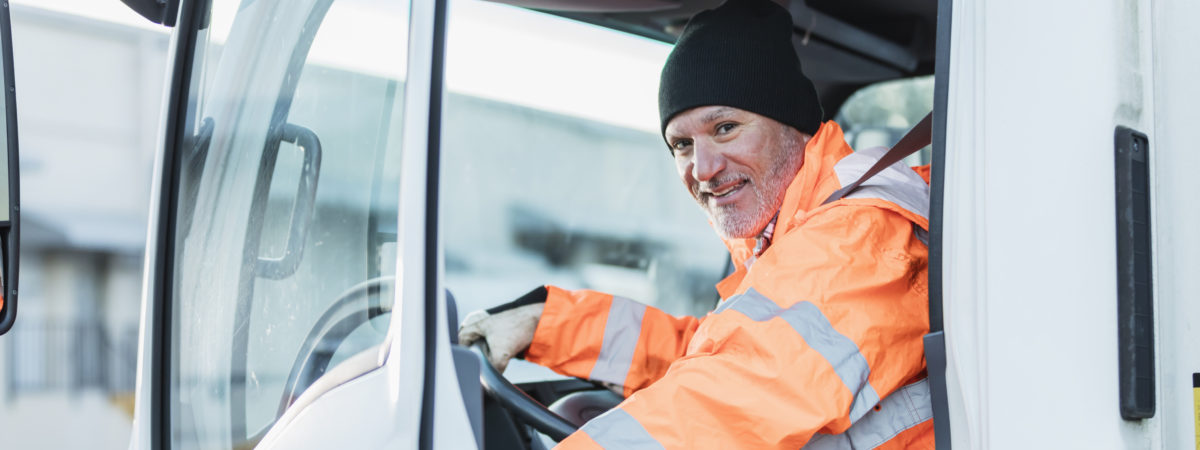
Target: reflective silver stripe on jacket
{"x": 616, "y": 429}
{"x": 621, "y": 332}
{"x": 908, "y": 407}
{"x": 812, "y": 325}
{"x": 898, "y": 183}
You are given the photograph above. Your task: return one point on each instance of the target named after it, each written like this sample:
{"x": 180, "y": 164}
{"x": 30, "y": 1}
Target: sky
{"x": 493, "y": 51}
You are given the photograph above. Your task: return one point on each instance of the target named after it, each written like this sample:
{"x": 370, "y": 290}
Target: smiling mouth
{"x": 726, "y": 189}
{"x": 729, "y": 190}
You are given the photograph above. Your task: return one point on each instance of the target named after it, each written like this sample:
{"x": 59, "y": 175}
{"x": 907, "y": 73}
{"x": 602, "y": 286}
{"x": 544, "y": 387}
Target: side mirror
{"x": 10, "y": 180}
{"x": 162, "y": 12}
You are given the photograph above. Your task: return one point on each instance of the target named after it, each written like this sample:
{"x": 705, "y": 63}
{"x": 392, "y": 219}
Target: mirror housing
{"x": 10, "y": 181}
{"x": 162, "y": 12}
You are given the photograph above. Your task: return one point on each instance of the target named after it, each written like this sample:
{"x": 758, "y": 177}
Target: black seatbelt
{"x": 916, "y": 138}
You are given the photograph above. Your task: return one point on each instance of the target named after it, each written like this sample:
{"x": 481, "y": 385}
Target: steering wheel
{"x": 517, "y": 401}
{"x": 350, "y": 311}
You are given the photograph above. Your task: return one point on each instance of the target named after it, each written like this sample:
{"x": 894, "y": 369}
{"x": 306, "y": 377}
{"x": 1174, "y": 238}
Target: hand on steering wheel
{"x": 517, "y": 401}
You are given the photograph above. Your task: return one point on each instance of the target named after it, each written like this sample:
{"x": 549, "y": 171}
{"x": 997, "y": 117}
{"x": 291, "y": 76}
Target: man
{"x": 818, "y": 340}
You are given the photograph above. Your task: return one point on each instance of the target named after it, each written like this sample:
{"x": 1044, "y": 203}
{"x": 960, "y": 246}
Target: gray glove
{"x": 507, "y": 329}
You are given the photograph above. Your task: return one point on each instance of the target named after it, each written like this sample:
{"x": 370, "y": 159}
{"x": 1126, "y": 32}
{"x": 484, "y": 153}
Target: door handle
{"x": 302, "y": 208}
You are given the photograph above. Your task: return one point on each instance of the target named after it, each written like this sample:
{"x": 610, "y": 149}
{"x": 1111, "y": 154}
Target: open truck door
{"x": 292, "y": 178}
{"x": 10, "y": 184}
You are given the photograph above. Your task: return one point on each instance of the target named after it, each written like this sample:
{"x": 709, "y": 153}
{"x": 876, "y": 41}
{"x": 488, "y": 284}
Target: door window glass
{"x": 286, "y": 217}
{"x": 554, "y": 170}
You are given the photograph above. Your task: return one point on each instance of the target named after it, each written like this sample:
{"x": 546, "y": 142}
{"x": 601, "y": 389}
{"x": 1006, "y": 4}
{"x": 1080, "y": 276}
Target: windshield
{"x": 286, "y": 210}
{"x": 554, "y": 171}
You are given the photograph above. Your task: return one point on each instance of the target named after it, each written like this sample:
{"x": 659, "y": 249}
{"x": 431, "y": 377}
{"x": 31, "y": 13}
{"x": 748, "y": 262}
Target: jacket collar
{"x": 815, "y": 181}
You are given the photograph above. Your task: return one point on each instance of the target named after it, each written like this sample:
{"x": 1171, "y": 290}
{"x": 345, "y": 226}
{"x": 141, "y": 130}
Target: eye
{"x": 680, "y": 145}
{"x": 726, "y": 127}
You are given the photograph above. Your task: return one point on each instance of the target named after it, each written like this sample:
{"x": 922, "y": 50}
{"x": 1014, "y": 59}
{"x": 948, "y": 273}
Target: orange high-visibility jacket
{"x": 817, "y": 342}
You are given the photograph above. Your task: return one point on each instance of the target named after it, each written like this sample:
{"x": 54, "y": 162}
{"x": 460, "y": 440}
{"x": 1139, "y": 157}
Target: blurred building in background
{"x": 88, "y": 101}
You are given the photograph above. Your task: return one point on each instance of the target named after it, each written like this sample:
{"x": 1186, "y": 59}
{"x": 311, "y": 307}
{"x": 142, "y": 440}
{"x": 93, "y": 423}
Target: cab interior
{"x": 872, "y": 63}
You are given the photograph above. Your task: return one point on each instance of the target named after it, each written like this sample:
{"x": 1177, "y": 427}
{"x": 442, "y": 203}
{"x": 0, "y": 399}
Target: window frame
{"x": 153, "y": 419}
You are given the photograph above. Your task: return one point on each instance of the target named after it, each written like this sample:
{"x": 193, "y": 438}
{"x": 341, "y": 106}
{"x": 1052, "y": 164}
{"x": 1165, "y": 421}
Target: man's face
{"x": 737, "y": 164}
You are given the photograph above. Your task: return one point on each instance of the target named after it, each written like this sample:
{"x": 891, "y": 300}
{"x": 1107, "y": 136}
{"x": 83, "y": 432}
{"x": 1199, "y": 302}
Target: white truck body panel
{"x": 1175, "y": 92}
{"x": 1030, "y": 264}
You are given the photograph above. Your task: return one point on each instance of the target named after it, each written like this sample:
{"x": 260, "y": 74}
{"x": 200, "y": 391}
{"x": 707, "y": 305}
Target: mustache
{"x": 704, "y": 189}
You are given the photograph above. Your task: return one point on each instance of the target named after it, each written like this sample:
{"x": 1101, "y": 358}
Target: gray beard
{"x": 768, "y": 192}
{"x": 768, "y": 197}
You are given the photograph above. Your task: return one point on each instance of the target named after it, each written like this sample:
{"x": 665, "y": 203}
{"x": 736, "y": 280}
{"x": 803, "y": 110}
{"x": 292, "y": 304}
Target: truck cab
{"x": 339, "y": 181}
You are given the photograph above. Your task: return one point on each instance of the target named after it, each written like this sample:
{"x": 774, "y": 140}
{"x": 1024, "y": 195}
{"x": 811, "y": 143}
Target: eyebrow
{"x": 712, "y": 116}
{"x": 716, "y": 114}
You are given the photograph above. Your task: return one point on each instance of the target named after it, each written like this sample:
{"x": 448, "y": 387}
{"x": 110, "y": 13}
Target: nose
{"x": 707, "y": 163}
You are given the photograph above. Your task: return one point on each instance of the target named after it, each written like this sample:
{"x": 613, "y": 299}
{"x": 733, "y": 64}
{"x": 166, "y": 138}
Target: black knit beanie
{"x": 739, "y": 54}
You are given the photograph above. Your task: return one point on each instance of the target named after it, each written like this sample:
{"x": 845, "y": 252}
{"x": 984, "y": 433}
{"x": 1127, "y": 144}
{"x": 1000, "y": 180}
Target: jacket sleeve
{"x": 829, "y": 321}
{"x": 588, "y": 334}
